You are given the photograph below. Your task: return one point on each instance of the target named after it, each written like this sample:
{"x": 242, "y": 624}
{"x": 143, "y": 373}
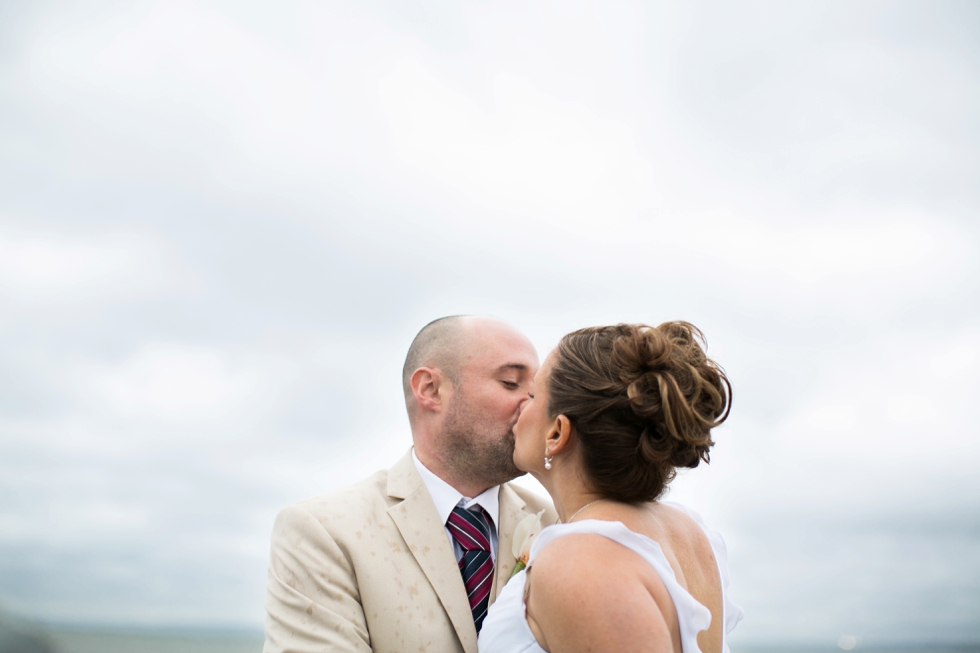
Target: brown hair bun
{"x": 642, "y": 401}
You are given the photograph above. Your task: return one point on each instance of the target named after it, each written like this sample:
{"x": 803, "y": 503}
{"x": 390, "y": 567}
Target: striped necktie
{"x": 471, "y": 528}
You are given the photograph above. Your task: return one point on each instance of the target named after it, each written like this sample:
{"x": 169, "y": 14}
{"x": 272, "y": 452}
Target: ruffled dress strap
{"x": 732, "y": 613}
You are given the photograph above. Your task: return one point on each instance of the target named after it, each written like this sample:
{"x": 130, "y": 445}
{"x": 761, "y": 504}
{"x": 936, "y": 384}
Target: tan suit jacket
{"x": 369, "y": 568}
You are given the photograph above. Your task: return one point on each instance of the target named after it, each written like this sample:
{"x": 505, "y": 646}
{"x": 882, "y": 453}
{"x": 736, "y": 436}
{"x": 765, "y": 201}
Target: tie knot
{"x": 470, "y": 527}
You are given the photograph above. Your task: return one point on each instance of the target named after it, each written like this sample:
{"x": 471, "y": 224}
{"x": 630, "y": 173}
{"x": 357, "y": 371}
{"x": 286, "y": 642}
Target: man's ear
{"x": 429, "y": 388}
{"x": 560, "y": 436}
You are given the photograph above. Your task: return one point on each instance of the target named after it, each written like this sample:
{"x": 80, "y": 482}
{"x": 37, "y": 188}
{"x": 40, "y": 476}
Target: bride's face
{"x": 534, "y": 424}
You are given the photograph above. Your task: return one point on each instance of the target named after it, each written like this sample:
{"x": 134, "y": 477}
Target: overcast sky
{"x": 222, "y": 224}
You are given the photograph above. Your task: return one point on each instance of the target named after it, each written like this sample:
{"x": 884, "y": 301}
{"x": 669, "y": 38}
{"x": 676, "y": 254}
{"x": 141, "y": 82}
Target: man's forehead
{"x": 516, "y": 367}
{"x": 502, "y": 359}
{"x": 499, "y": 356}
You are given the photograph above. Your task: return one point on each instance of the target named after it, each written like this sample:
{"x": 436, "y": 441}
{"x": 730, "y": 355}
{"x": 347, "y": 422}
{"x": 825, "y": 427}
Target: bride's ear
{"x": 560, "y": 436}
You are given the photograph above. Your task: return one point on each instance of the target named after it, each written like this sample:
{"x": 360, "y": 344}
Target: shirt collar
{"x": 446, "y": 497}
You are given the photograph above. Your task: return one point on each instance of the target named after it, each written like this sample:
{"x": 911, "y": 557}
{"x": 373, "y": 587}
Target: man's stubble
{"x": 478, "y": 448}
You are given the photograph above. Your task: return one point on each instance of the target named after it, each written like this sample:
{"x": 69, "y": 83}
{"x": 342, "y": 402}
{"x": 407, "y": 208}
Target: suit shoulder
{"x": 361, "y": 498}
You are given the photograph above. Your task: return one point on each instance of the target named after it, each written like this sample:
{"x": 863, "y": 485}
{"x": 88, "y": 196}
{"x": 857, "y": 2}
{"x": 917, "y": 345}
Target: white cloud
{"x": 528, "y": 153}
{"x": 842, "y": 251}
{"x": 44, "y": 268}
{"x": 176, "y": 382}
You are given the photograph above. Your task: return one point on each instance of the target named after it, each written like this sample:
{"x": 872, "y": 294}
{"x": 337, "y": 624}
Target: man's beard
{"x": 476, "y": 448}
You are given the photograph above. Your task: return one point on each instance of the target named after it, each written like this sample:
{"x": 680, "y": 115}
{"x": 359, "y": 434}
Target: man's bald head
{"x": 439, "y": 344}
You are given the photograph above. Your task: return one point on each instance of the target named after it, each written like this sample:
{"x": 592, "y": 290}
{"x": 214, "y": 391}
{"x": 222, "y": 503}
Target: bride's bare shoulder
{"x": 682, "y": 529}
{"x": 587, "y": 592}
{"x": 585, "y": 554}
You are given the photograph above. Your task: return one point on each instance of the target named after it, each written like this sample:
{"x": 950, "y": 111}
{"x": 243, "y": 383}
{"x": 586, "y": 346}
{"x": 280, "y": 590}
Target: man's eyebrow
{"x": 520, "y": 367}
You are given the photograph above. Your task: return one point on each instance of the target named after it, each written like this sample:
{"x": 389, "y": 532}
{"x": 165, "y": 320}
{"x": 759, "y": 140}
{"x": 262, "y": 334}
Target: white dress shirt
{"x": 446, "y": 497}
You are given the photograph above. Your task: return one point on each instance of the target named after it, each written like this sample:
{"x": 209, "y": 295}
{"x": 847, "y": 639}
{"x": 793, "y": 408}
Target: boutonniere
{"x": 525, "y": 532}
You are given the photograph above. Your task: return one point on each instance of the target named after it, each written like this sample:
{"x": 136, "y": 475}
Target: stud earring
{"x": 547, "y": 459}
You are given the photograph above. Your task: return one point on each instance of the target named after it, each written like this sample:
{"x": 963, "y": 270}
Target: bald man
{"x": 409, "y": 559}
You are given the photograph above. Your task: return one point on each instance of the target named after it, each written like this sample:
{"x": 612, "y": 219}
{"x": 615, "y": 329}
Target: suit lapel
{"x": 511, "y": 511}
{"x": 420, "y": 527}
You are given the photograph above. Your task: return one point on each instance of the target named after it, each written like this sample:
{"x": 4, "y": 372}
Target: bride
{"x": 615, "y": 411}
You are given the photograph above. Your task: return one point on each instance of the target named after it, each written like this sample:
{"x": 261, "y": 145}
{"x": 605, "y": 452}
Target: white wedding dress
{"x": 505, "y": 628}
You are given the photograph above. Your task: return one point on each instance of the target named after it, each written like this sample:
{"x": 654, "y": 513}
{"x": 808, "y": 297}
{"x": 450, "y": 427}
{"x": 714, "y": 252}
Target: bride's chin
{"x": 524, "y": 468}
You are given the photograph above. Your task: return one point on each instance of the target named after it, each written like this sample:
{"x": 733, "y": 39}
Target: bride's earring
{"x": 547, "y": 459}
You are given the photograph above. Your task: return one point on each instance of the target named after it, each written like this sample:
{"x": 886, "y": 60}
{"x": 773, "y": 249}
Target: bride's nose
{"x": 524, "y": 402}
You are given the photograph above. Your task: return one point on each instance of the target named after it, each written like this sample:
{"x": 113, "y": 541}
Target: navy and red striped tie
{"x": 471, "y": 528}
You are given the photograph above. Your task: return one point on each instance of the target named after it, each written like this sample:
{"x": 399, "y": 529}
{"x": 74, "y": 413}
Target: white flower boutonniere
{"x": 524, "y": 533}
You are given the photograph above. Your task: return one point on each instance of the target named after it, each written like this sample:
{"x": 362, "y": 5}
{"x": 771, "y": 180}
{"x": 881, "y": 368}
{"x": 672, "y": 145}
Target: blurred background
{"x": 222, "y": 224}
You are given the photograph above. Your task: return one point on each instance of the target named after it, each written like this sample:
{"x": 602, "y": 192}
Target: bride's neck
{"x": 568, "y": 490}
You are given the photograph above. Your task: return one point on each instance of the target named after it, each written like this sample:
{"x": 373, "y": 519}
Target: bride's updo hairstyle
{"x": 642, "y": 402}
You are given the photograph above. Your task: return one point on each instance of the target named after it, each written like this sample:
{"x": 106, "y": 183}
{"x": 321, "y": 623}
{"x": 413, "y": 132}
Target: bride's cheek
{"x": 519, "y": 449}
